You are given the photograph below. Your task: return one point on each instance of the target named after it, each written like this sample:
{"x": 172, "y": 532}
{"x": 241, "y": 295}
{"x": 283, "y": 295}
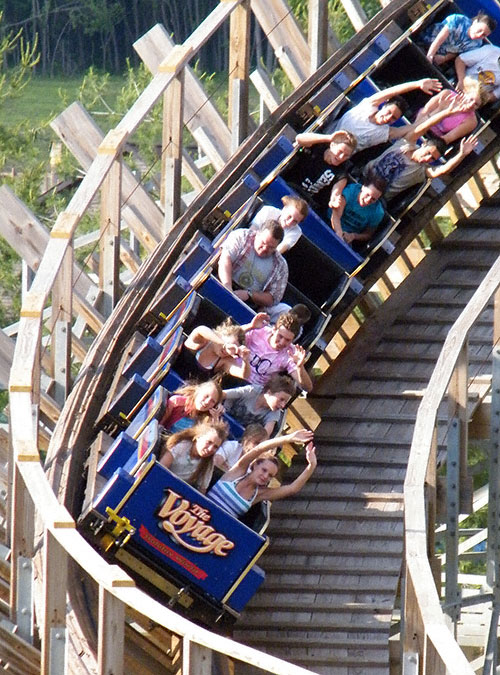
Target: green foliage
{"x": 337, "y": 16}
{"x": 4, "y": 400}
{"x": 14, "y": 79}
{"x": 10, "y": 284}
{"x": 93, "y": 16}
{"x": 478, "y": 462}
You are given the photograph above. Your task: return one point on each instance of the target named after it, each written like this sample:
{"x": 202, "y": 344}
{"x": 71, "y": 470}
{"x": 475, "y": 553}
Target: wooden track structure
{"x": 353, "y": 509}
{"x": 333, "y": 567}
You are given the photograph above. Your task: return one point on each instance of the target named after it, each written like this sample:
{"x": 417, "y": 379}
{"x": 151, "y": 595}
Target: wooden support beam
{"x": 199, "y": 111}
{"x": 22, "y": 547}
{"x": 478, "y": 188}
{"x": 356, "y": 13}
{"x": 205, "y": 140}
{"x": 55, "y": 574}
{"x": 81, "y": 135}
{"x": 290, "y": 65}
{"x": 176, "y": 60}
{"x": 192, "y": 172}
{"x": 433, "y": 232}
{"x": 109, "y": 241}
{"x": 281, "y": 28}
{"x": 266, "y": 89}
{"x": 457, "y": 409}
{"x": 317, "y": 33}
{"x": 111, "y": 634}
{"x": 455, "y": 209}
{"x": 196, "y": 658}
{"x": 15, "y": 217}
{"x": 173, "y": 114}
{"x": 431, "y": 505}
{"x": 493, "y": 548}
{"x": 239, "y": 120}
{"x": 239, "y": 69}
{"x": 62, "y": 313}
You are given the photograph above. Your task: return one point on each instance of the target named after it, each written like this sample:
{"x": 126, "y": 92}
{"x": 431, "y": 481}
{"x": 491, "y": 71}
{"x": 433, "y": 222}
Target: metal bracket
{"x": 57, "y": 650}
{"x": 122, "y": 525}
{"x": 410, "y": 663}
{"x": 453, "y": 594}
{"x": 24, "y": 613}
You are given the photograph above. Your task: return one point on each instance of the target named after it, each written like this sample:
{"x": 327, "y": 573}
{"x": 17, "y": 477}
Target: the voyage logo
{"x": 188, "y": 522}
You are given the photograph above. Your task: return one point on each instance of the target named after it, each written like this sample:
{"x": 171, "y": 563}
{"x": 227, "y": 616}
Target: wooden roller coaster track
{"x": 330, "y": 610}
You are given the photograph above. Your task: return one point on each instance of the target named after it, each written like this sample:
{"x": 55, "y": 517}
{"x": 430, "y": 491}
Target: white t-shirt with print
{"x": 483, "y": 64}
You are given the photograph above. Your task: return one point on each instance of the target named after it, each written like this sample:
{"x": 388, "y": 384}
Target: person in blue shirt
{"x": 455, "y": 35}
{"x": 359, "y": 211}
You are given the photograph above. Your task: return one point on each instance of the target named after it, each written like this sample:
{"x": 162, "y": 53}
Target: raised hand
{"x": 335, "y": 200}
{"x": 298, "y": 355}
{"x": 243, "y": 352}
{"x": 259, "y": 320}
{"x": 301, "y": 436}
{"x": 216, "y": 412}
{"x": 467, "y": 145}
{"x": 430, "y": 85}
{"x": 311, "y": 455}
{"x": 460, "y": 103}
{"x": 231, "y": 349}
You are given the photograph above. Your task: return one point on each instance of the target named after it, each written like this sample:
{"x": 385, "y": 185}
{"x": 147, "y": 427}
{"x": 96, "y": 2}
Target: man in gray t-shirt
{"x": 405, "y": 163}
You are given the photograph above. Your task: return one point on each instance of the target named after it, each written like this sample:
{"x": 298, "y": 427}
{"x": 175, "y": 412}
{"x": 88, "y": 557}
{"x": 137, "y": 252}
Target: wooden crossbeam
{"x": 153, "y": 47}
{"x": 83, "y": 138}
{"x": 281, "y": 28}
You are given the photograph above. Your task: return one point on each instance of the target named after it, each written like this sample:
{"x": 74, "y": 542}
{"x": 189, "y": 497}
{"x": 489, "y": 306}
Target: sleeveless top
{"x": 452, "y": 122}
{"x": 210, "y": 368}
{"x": 225, "y": 495}
{"x": 188, "y": 366}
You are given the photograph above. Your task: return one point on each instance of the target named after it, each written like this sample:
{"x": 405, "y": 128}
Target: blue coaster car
{"x": 176, "y": 540}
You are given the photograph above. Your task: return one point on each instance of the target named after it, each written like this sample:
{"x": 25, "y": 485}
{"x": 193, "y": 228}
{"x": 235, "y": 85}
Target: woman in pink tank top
{"x": 458, "y": 124}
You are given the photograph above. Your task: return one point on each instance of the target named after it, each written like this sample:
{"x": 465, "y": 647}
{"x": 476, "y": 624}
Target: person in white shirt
{"x": 370, "y": 124}
{"x": 293, "y": 212}
{"x": 482, "y": 64}
{"x": 230, "y": 451}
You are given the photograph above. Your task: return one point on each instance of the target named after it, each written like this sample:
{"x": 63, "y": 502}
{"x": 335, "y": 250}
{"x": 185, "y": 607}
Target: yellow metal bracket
{"x": 121, "y": 525}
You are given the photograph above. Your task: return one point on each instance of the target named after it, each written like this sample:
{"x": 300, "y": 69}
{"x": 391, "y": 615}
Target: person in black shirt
{"x": 319, "y": 168}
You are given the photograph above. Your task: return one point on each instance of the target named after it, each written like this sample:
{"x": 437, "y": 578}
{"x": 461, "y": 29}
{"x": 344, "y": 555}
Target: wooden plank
{"x": 290, "y": 65}
{"x": 317, "y": 33}
{"x": 55, "y": 573}
{"x": 28, "y": 237}
{"x": 239, "y": 68}
{"x": 199, "y": 111}
{"x": 81, "y": 135}
{"x": 195, "y": 658}
{"x": 192, "y": 172}
{"x": 15, "y": 217}
{"x": 109, "y": 241}
{"x": 62, "y": 306}
{"x": 203, "y": 136}
{"x": 356, "y": 13}
{"x": 457, "y": 408}
{"x": 17, "y": 654}
{"x": 265, "y": 88}
{"x": 281, "y": 28}
{"x": 111, "y": 634}
{"x": 22, "y": 533}
{"x": 171, "y": 156}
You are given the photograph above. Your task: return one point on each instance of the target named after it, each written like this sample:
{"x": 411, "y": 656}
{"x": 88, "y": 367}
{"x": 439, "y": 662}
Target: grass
{"x": 44, "y": 98}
